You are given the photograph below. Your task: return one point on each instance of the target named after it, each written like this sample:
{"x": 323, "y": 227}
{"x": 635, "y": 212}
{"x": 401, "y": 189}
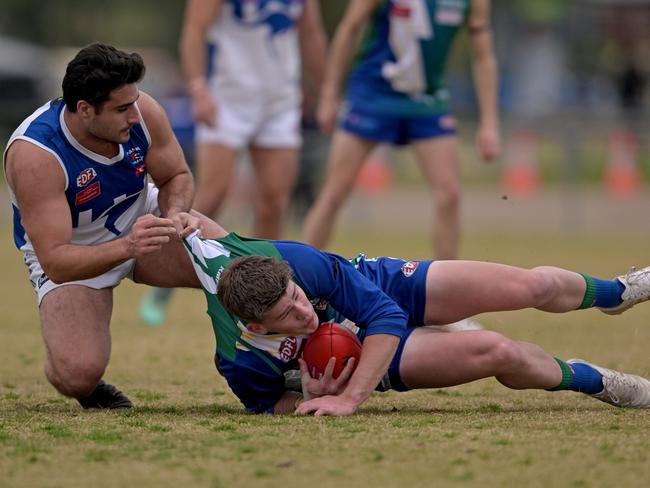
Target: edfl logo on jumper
{"x": 86, "y": 176}
{"x": 409, "y": 267}
{"x": 288, "y": 349}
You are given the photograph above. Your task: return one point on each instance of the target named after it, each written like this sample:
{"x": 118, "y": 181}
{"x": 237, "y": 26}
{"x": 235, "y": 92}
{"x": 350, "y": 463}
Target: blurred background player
{"x": 396, "y": 94}
{"x": 247, "y": 95}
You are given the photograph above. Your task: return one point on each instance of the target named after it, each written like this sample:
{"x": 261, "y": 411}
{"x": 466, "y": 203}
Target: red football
{"x": 330, "y": 340}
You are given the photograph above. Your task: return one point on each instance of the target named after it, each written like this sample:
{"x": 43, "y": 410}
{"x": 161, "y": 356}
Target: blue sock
{"x": 585, "y": 379}
{"x": 602, "y": 293}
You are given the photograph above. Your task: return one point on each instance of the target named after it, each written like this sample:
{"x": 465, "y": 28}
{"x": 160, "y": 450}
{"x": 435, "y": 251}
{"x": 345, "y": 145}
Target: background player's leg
{"x": 439, "y": 159}
{"x": 275, "y": 175}
{"x": 347, "y": 154}
{"x": 215, "y": 168}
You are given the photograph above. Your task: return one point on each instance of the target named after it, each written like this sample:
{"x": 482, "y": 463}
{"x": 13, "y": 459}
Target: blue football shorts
{"x": 405, "y": 282}
{"x": 398, "y": 130}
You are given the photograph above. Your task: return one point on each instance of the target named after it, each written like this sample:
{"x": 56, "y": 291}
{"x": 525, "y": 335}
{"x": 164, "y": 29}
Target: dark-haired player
{"x": 84, "y": 214}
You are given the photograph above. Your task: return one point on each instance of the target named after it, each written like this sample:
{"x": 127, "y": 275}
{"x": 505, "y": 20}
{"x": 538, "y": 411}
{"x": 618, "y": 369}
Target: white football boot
{"x": 621, "y": 389}
{"x": 637, "y": 289}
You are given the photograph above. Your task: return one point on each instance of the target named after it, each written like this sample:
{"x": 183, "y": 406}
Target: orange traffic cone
{"x": 521, "y": 172}
{"x": 622, "y": 175}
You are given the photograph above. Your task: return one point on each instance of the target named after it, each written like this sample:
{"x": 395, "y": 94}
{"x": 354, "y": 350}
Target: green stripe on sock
{"x": 590, "y": 293}
{"x": 567, "y": 375}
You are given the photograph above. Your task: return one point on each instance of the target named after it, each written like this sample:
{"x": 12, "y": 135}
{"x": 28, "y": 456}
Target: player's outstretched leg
{"x": 637, "y": 289}
{"x": 619, "y": 389}
{"x": 105, "y": 396}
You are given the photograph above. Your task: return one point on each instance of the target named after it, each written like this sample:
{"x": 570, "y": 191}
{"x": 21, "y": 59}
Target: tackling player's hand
{"x": 149, "y": 234}
{"x": 327, "y": 384}
{"x": 185, "y": 223}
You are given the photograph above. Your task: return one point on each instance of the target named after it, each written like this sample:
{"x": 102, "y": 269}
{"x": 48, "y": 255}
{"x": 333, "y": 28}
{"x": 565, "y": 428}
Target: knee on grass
{"x": 74, "y": 380}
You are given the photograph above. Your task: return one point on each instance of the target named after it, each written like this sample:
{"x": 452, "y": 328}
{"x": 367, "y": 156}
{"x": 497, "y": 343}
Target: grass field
{"x": 188, "y": 430}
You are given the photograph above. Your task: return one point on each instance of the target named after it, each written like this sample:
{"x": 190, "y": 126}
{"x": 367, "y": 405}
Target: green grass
{"x": 188, "y": 430}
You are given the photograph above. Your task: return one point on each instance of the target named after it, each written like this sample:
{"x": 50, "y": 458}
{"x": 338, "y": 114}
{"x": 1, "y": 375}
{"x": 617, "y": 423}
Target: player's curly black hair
{"x": 97, "y": 70}
{"x": 251, "y": 285}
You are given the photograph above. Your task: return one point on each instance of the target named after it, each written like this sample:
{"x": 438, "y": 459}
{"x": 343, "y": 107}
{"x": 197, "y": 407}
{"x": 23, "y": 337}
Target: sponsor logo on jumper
{"x": 86, "y": 176}
{"x": 288, "y": 349}
{"x": 134, "y": 156}
{"x": 87, "y": 194}
{"x": 409, "y": 267}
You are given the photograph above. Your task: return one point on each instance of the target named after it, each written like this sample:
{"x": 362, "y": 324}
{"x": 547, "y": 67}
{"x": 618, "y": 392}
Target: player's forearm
{"x": 71, "y": 262}
{"x": 485, "y": 74}
{"x": 313, "y": 43}
{"x": 338, "y": 60}
{"x": 192, "y": 51}
{"x": 176, "y": 194}
{"x": 378, "y": 351}
{"x": 313, "y": 54}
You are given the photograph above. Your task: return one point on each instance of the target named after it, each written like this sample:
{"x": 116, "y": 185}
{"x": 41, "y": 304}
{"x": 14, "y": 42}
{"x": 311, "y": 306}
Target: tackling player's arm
{"x": 199, "y": 16}
{"x": 167, "y": 167}
{"x": 313, "y": 43}
{"x": 484, "y": 66}
{"x": 343, "y": 45}
{"x": 38, "y": 183}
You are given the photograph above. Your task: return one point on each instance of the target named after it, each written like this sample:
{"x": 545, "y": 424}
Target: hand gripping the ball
{"x": 330, "y": 340}
{"x": 326, "y": 384}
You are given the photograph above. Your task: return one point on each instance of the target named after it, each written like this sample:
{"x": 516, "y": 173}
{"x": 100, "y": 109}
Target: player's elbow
{"x": 57, "y": 274}
{"x": 57, "y": 271}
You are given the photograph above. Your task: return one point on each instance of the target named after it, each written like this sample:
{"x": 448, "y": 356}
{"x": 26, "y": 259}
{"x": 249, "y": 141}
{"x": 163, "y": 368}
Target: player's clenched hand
{"x": 488, "y": 143}
{"x": 185, "y": 223}
{"x": 327, "y": 384}
{"x": 326, "y": 113}
{"x": 149, "y": 234}
{"x": 337, "y": 406}
{"x": 204, "y": 108}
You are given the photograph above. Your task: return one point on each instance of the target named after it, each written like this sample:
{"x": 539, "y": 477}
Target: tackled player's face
{"x": 292, "y": 315}
{"x": 118, "y": 114}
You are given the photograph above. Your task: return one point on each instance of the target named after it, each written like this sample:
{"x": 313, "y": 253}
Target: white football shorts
{"x": 270, "y": 125}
